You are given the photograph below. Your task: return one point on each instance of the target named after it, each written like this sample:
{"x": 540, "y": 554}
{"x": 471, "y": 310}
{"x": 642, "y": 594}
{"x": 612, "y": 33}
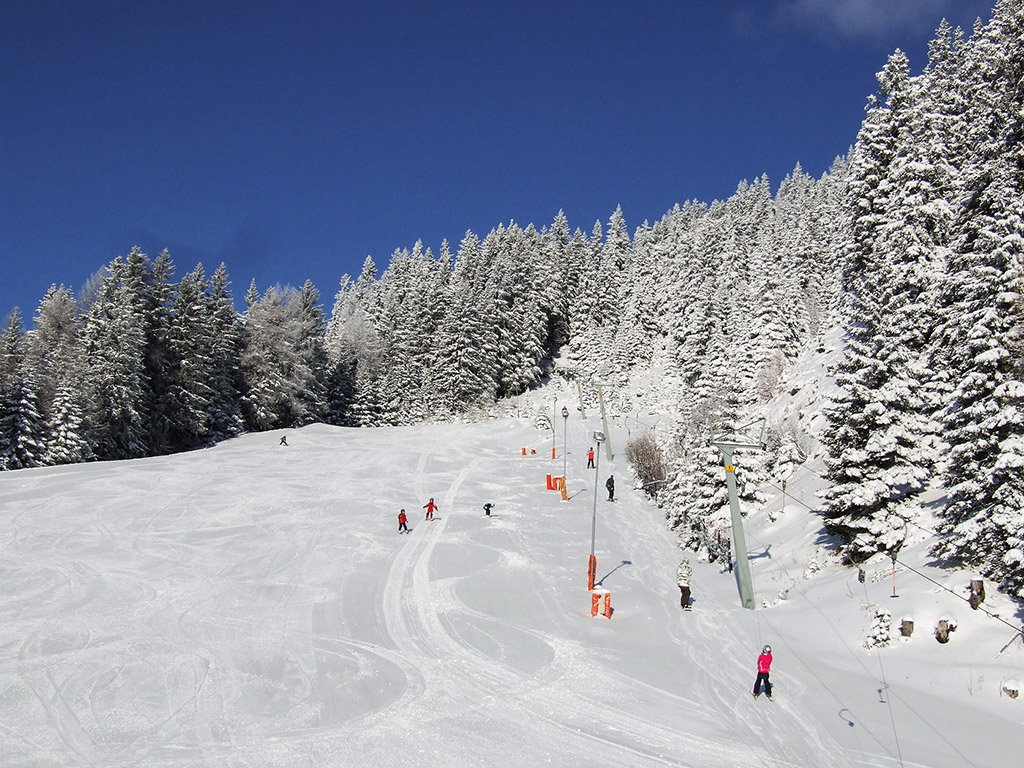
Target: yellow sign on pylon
{"x": 728, "y": 467}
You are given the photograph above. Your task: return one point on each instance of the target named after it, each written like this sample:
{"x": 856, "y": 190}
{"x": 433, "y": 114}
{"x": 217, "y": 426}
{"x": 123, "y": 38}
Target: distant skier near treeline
{"x": 764, "y": 665}
{"x": 431, "y": 508}
{"x": 683, "y": 574}
{"x": 402, "y": 520}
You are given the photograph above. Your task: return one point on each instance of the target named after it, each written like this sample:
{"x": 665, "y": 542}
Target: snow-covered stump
{"x": 907, "y": 626}
{"x": 945, "y": 627}
{"x": 977, "y": 593}
{"x": 1011, "y": 688}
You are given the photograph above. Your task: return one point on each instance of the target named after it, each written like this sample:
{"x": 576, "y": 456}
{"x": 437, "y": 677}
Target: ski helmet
{"x": 766, "y": 649}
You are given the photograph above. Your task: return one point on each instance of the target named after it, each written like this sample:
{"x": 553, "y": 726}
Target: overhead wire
{"x": 1017, "y": 630}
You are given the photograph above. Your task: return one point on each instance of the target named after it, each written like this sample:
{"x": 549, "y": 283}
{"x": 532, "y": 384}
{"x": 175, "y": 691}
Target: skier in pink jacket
{"x": 764, "y": 665}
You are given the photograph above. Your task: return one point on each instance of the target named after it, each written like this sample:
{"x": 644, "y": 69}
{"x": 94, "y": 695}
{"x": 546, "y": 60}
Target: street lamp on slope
{"x": 592, "y": 563}
{"x": 565, "y": 439}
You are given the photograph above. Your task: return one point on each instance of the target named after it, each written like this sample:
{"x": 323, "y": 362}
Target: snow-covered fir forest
{"x": 912, "y": 245}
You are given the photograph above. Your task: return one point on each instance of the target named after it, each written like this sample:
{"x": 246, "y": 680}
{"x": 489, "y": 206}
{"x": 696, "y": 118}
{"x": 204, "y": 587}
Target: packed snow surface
{"x": 254, "y": 605}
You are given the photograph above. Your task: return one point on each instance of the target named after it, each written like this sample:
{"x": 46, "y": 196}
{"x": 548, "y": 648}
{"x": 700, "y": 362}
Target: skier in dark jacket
{"x": 610, "y": 485}
{"x": 487, "y": 508}
{"x": 764, "y": 665}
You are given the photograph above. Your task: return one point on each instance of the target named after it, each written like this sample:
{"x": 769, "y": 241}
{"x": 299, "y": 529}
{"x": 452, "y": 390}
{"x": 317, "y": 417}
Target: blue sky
{"x": 292, "y": 139}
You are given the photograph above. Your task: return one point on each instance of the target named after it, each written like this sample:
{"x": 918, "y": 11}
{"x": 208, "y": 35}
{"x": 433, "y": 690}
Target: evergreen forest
{"x": 910, "y": 247}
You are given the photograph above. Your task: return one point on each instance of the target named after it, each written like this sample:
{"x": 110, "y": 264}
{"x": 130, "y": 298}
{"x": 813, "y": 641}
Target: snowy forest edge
{"x": 906, "y": 257}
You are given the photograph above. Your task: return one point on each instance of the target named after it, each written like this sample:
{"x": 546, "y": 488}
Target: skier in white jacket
{"x": 683, "y": 574}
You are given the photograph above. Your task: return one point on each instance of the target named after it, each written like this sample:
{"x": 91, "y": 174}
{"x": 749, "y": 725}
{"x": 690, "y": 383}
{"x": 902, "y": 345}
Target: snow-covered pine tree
{"x": 879, "y": 436}
{"x": 274, "y": 363}
{"x": 153, "y": 289}
{"x": 353, "y": 350}
{"x": 189, "y": 368}
{"x": 312, "y": 325}
{"x": 114, "y": 340}
{"x": 984, "y": 426}
{"x": 22, "y": 432}
{"x": 65, "y": 429}
{"x": 224, "y": 415}
{"x": 54, "y": 361}
{"x": 467, "y": 340}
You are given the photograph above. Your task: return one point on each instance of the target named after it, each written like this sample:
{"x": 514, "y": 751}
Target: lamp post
{"x": 565, "y": 439}
{"x": 592, "y": 563}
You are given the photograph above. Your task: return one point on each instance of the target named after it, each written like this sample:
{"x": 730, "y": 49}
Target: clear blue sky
{"x": 292, "y": 139}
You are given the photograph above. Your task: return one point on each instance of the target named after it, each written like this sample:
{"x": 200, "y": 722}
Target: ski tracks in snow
{"x": 481, "y": 707}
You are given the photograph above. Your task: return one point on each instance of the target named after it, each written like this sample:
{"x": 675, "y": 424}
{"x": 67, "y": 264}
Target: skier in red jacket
{"x": 764, "y": 665}
{"x": 402, "y": 520}
{"x": 431, "y": 507}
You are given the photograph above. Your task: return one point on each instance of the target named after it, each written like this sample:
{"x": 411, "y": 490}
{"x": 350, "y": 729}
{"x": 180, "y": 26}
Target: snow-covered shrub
{"x": 879, "y": 635}
{"x": 646, "y": 460}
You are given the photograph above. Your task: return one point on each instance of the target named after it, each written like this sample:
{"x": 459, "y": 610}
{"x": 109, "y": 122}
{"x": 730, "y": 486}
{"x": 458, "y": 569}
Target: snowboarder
{"x": 683, "y": 573}
{"x": 402, "y": 520}
{"x": 431, "y": 507}
{"x": 610, "y": 485}
{"x": 487, "y": 508}
{"x": 590, "y": 459}
{"x": 284, "y": 440}
{"x": 764, "y": 665}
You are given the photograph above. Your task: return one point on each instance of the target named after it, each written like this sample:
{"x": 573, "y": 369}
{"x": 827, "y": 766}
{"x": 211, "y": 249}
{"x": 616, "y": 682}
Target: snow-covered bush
{"x": 879, "y": 635}
{"x": 646, "y": 460}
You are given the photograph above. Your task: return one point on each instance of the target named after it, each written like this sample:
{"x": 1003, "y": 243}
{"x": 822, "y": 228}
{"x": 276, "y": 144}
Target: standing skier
{"x": 590, "y": 459}
{"x": 764, "y": 665}
{"x": 431, "y": 507}
{"x": 402, "y": 520}
{"x": 683, "y": 573}
{"x": 610, "y": 485}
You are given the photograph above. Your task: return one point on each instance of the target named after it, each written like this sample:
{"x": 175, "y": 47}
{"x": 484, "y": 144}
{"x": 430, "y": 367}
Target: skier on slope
{"x": 683, "y": 573}
{"x": 431, "y": 507}
{"x": 590, "y": 459}
{"x": 764, "y": 665}
{"x": 402, "y": 520}
{"x": 487, "y": 508}
{"x": 610, "y": 485}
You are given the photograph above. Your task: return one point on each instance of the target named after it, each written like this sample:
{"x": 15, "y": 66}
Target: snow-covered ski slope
{"x": 253, "y": 605}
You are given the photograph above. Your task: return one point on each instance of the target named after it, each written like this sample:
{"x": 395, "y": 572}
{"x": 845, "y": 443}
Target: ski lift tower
{"x": 728, "y": 442}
